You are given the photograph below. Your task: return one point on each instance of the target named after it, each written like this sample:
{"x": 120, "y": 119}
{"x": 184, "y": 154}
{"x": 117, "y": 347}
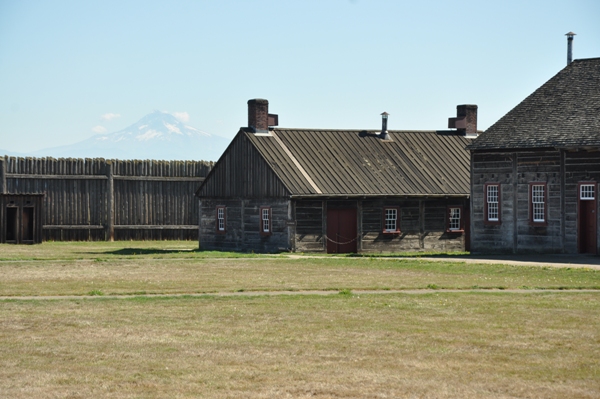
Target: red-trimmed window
{"x": 538, "y": 209}
{"x": 492, "y": 205}
{"x": 221, "y": 219}
{"x": 454, "y": 219}
{"x": 266, "y": 225}
{"x": 390, "y": 220}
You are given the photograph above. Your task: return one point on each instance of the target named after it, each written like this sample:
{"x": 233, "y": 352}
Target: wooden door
{"x": 341, "y": 231}
{"x": 587, "y": 226}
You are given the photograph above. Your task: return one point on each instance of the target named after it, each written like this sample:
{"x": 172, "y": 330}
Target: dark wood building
{"x": 535, "y": 172}
{"x": 338, "y": 191}
{"x": 21, "y": 218}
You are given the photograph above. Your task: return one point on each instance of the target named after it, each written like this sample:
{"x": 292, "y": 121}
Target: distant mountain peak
{"x": 158, "y": 125}
{"x": 158, "y": 135}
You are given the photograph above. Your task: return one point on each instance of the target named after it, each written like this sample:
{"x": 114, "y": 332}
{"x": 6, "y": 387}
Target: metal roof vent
{"x": 569, "y": 46}
{"x": 384, "y": 133}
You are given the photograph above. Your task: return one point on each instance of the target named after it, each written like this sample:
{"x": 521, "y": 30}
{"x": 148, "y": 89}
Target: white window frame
{"x": 587, "y": 192}
{"x": 221, "y": 217}
{"x": 455, "y": 218}
{"x": 493, "y": 202}
{"x": 538, "y": 203}
{"x": 390, "y": 219}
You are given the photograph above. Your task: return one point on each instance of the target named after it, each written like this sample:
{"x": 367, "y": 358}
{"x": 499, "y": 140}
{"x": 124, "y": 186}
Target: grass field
{"x": 531, "y": 343}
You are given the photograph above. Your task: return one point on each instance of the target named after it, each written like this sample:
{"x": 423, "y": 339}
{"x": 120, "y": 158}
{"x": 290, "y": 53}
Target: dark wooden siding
{"x": 242, "y": 230}
{"x": 92, "y": 199}
{"x": 580, "y": 166}
{"x": 422, "y": 224}
{"x": 309, "y": 235}
{"x": 242, "y": 172}
{"x": 515, "y": 171}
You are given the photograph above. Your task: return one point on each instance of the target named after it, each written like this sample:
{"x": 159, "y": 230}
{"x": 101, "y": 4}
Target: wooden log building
{"x": 535, "y": 172}
{"x": 338, "y": 191}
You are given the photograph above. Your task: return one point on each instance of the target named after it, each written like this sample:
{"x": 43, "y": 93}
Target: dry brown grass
{"x": 441, "y": 345}
{"x": 429, "y": 345}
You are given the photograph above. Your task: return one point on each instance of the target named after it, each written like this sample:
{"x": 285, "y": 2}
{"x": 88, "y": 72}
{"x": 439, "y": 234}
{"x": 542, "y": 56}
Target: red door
{"x": 341, "y": 231}
{"x": 587, "y": 226}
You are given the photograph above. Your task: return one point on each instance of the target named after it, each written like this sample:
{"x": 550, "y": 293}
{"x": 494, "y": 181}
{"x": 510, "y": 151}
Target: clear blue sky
{"x": 321, "y": 64}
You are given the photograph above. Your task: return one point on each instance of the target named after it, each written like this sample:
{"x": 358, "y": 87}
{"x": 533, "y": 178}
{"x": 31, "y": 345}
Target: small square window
{"x": 587, "y": 192}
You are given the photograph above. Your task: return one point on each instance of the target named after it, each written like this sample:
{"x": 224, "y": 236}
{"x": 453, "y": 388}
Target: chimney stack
{"x": 569, "y": 47}
{"x": 466, "y": 120}
{"x": 258, "y": 115}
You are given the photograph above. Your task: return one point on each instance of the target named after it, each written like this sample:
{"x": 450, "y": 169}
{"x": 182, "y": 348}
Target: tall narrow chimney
{"x": 258, "y": 115}
{"x": 569, "y": 47}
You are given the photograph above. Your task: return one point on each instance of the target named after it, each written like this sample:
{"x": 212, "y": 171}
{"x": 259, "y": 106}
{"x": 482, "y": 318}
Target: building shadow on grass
{"x": 145, "y": 251}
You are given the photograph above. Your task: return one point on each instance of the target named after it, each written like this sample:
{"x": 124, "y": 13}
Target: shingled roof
{"x": 562, "y": 113}
{"x": 358, "y": 162}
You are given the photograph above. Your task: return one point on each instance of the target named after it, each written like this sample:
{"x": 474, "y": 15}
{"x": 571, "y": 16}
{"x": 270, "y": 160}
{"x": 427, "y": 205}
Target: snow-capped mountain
{"x": 158, "y": 135}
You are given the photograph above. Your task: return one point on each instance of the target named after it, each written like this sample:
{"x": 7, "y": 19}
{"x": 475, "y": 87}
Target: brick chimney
{"x": 258, "y": 115}
{"x": 465, "y": 122}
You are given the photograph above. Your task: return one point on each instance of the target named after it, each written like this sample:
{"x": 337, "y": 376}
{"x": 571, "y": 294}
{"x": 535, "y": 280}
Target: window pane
{"x": 391, "y": 216}
{"x": 587, "y": 192}
{"x": 221, "y": 218}
{"x": 492, "y": 203}
{"x": 265, "y": 221}
{"x": 454, "y": 218}
{"x": 537, "y": 198}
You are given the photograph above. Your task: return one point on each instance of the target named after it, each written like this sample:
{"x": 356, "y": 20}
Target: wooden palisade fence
{"x": 98, "y": 199}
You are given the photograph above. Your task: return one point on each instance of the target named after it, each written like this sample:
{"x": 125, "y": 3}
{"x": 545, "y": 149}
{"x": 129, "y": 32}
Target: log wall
{"x": 561, "y": 170}
{"x": 422, "y": 224}
{"x": 242, "y": 225}
{"x": 98, "y": 199}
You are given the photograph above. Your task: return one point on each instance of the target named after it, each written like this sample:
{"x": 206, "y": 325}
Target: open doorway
{"x": 12, "y": 223}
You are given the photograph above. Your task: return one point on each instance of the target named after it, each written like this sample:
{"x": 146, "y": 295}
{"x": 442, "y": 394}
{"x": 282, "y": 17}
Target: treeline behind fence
{"x": 98, "y": 199}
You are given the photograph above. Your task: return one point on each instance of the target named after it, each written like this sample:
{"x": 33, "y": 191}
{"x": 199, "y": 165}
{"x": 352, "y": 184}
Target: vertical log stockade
{"x": 98, "y": 199}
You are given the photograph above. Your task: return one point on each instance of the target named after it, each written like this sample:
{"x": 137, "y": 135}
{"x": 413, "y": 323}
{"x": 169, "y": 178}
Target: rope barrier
{"x": 341, "y": 243}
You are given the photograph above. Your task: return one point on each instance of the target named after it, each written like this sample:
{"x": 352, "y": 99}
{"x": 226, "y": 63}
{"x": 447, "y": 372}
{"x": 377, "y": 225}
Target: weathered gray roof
{"x": 564, "y": 112}
{"x": 354, "y": 162}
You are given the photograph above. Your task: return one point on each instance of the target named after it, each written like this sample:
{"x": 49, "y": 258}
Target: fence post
{"x": 110, "y": 194}
{"x": 2, "y": 175}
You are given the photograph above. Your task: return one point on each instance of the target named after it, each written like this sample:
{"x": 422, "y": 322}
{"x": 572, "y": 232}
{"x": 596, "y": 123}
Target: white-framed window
{"x": 221, "y": 219}
{"x": 492, "y": 208}
{"x": 265, "y": 220}
{"x": 587, "y": 192}
{"x": 454, "y": 218}
{"x": 538, "y": 203}
{"x": 390, "y": 220}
